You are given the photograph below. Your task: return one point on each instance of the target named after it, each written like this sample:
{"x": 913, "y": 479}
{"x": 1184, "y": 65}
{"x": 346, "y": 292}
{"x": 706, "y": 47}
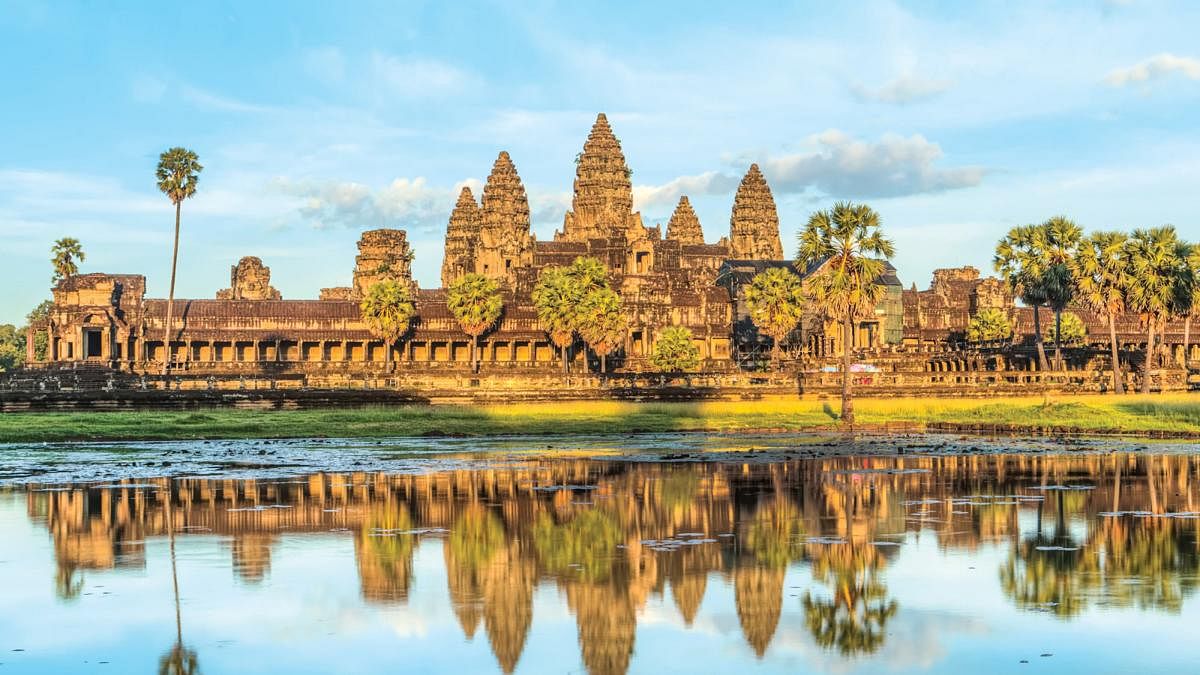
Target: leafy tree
{"x": 41, "y": 340}
{"x": 1187, "y": 292}
{"x": 602, "y": 323}
{"x": 674, "y": 351}
{"x": 558, "y": 295}
{"x": 1101, "y": 275}
{"x": 1070, "y": 329}
{"x": 12, "y": 347}
{"x": 776, "y": 301}
{"x": 989, "y": 325}
{"x": 388, "y": 310}
{"x": 1153, "y": 259}
{"x": 1058, "y": 241}
{"x": 474, "y": 300}
{"x": 1019, "y": 259}
{"x": 178, "y": 173}
{"x": 65, "y": 256}
{"x": 850, "y": 249}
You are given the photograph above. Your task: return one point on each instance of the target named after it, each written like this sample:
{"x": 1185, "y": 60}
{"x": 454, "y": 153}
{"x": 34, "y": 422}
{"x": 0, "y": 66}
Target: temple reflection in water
{"x": 1081, "y": 532}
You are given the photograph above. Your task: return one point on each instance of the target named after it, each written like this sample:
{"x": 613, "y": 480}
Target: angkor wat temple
{"x": 666, "y": 279}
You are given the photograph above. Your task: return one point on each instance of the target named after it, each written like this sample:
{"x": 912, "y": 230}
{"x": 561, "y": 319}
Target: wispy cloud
{"x": 707, "y": 183}
{"x": 407, "y": 203}
{"x": 902, "y": 90}
{"x": 1154, "y": 68}
{"x": 213, "y": 101}
{"x": 419, "y": 78}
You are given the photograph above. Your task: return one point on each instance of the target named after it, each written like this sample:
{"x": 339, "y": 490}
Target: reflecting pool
{"x": 947, "y": 563}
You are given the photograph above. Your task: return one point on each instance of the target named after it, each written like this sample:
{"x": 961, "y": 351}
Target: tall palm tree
{"x": 848, "y": 245}
{"x": 602, "y": 323}
{"x": 1020, "y": 261}
{"x": 776, "y": 301}
{"x": 178, "y": 173}
{"x": 1058, "y": 240}
{"x": 1187, "y": 292}
{"x": 388, "y": 310}
{"x": 474, "y": 300}
{"x": 179, "y": 660}
{"x": 555, "y": 299}
{"x": 64, "y": 256}
{"x": 1153, "y": 259}
{"x": 1101, "y": 274}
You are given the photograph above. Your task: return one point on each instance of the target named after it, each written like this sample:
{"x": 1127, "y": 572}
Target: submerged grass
{"x": 1175, "y": 414}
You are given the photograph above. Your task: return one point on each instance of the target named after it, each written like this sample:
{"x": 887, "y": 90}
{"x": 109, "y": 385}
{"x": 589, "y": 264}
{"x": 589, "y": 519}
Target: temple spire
{"x": 602, "y": 206}
{"x": 505, "y": 242}
{"x": 463, "y": 230}
{"x": 754, "y": 224}
{"x": 684, "y": 226}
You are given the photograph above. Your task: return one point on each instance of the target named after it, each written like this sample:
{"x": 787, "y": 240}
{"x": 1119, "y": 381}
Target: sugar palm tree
{"x": 65, "y": 256}
{"x": 602, "y": 323}
{"x": 388, "y": 310}
{"x": 177, "y": 174}
{"x": 474, "y": 301}
{"x": 179, "y": 660}
{"x": 776, "y": 301}
{"x": 1020, "y": 261}
{"x": 1058, "y": 240}
{"x": 850, "y": 249}
{"x": 1153, "y": 259}
{"x": 555, "y": 299}
{"x": 1187, "y": 292}
{"x": 1101, "y": 274}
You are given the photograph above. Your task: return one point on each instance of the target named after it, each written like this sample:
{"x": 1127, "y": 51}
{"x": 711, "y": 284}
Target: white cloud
{"x": 211, "y": 101}
{"x": 667, "y": 194}
{"x": 419, "y": 78}
{"x": 407, "y": 203}
{"x": 902, "y": 90}
{"x": 1154, "y": 68}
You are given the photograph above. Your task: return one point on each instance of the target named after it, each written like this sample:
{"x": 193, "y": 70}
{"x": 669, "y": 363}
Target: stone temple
{"x": 676, "y": 278}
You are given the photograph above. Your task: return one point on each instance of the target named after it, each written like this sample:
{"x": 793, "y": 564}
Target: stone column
{"x": 29, "y": 352}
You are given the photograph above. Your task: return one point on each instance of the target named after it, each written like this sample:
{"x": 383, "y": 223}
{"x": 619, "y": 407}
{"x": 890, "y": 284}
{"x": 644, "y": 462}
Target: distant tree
{"x": 1020, "y": 260}
{"x": 848, "y": 245}
{"x": 1101, "y": 277}
{"x": 177, "y": 174}
{"x": 1153, "y": 259}
{"x": 12, "y": 347}
{"x": 776, "y": 301}
{"x": 388, "y": 310}
{"x": 41, "y": 340}
{"x": 602, "y": 323}
{"x": 674, "y": 351}
{"x": 1188, "y": 292}
{"x": 989, "y": 325}
{"x": 1059, "y": 240}
{"x": 1069, "y": 329}
{"x": 474, "y": 301}
{"x": 65, "y": 256}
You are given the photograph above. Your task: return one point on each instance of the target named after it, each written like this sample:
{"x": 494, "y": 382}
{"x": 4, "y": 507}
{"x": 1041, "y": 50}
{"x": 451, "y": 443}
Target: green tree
{"x": 388, "y": 310}
{"x": 776, "y": 301}
{"x": 1059, "y": 240}
{"x": 602, "y": 323}
{"x": 558, "y": 295}
{"x": 177, "y": 174}
{"x": 674, "y": 351}
{"x": 65, "y": 256}
{"x": 848, "y": 245}
{"x": 474, "y": 300}
{"x": 1187, "y": 292}
{"x": 12, "y": 347}
{"x": 1153, "y": 258}
{"x": 989, "y": 325}
{"x": 1069, "y": 329}
{"x": 1101, "y": 275}
{"x": 41, "y": 340}
{"x": 1020, "y": 260}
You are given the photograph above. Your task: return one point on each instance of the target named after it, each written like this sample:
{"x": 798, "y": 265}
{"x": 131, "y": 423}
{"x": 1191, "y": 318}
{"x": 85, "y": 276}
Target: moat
{"x": 663, "y": 553}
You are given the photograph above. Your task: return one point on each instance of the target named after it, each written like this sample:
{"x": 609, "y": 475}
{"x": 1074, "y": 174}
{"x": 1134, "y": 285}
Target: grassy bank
{"x": 1174, "y": 414}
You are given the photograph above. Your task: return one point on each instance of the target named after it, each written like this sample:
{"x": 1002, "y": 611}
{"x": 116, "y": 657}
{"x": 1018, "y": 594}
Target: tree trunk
{"x": 847, "y": 394}
{"x": 1187, "y": 338}
{"x": 1058, "y": 362}
{"x": 603, "y": 363}
{"x": 171, "y": 297}
{"x": 1118, "y": 381}
{"x": 475, "y": 353}
{"x": 775, "y": 353}
{"x": 1149, "y": 355}
{"x": 1037, "y": 338}
{"x": 563, "y": 350}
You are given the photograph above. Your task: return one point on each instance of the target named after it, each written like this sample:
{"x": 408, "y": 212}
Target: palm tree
{"x": 388, "y": 310}
{"x": 847, "y": 244}
{"x": 555, "y": 298}
{"x": 776, "y": 301}
{"x": 1058, "y": 240}
{"x": 602, "y": 323}
{"x": 1101, "y": 274}
{"x": 179, "y": 660}
{"x": 1019, "y": 260}
{"x": 474, "y": 300}
{"x": 178, "y": 172}
{"x": 64, "y": 254}
{"x": 1187, "y": 292}
{"x": 1153, "y": 259}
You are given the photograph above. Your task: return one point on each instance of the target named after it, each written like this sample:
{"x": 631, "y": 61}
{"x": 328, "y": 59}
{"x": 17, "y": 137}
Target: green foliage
{"x": 989, "y": 325}
{"x": 178, "y": 173}
{"x": 1074, "y": 332}
{"x": 12, "y": 347}
{"x": 475, "y": 538}
{"x": 1101, "y": 272}
{"x": 850, "y": 247}
{"x": 65, "y": 256}
{"x": 1153, "y": 258}
{"x": 674, "y": 351}
{"x": 587, "y": 543}
{"x": 41, "y": 340}
{"x": 776, "y": 301}
{"x": 601, "y": 321}
{"x": 388, "y": 310}
{"x": 560, "y": 294}
{"x": 474, "y": 301}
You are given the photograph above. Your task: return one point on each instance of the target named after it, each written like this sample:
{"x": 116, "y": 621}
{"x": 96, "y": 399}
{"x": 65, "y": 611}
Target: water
{"x": 867, "y": 561}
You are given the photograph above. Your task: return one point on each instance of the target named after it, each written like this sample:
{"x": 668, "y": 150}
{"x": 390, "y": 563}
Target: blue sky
{"x": 315, "y": 121}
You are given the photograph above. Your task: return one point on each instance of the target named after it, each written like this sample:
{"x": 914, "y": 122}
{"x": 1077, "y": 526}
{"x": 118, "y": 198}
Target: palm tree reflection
{"x": 180, "y": 660}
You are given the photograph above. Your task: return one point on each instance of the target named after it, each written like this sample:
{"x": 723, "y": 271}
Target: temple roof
{"x": 684, "y": 226}
{"x": 505, "y": 204}
{"x": 754, "y": 223}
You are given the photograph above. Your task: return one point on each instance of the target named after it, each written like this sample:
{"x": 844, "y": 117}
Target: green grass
{"x": 1175, "y": 414}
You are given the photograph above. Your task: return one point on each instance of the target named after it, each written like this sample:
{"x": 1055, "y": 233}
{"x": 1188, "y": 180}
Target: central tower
{"x": 602, "y": 207}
